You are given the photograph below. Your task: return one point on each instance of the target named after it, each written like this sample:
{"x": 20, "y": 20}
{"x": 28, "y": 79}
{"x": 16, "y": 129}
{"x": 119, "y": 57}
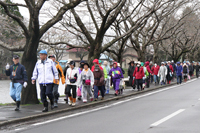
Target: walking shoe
{"x": 102, "y": 98}
{"x": 95, "y": 99}
{"x": 107, "y": 92}
{"x": 18, "y": 104}
{"x": 70, "y": 102}
{"x": 45, "y": 107}
{"x": 66, "y": 100}
{"x": 79, "y": 98}
{"x": 52, "y": 104}
{"x": 85, "y": 101}
{"x": 55, "y": 105}
{"x": 116, "y": 92}
{"x": 91, "y": 99}
{"x": 74, "y": 102}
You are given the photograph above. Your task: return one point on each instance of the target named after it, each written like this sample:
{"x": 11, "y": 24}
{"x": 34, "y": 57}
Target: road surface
{"x": 173, "y": 109}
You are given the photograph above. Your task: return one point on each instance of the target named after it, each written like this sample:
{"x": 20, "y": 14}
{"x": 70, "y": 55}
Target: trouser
{"x": 15, "y": 91}
{"x": 107, "y": 84}
{"x": 197, "y": 74}
{"x": 116, "y": 84}
{"x": 46, "y": 90}
{"x": 139, "y": 83}
{"x": 55, "y": 92}
{"x": 147, "y": 81}
{"x": 151, "y": 76}
{"x": 96, "y": 90}
{"x": 179, "y": 79}
{"x": 156, "y": 79}
{"x": 73, "y": 87}
{"x": 87, "y": 90}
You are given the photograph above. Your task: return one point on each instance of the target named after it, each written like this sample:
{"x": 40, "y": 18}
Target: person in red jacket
{"x": 139, "y": 75}
{"x": 150, "y": 73}
{"x": 95, "y": 61}
{"x": 155, "y": 70}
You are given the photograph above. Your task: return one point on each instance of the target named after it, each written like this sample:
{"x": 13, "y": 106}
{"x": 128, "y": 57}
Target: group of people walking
{"x": 83, "y": 81}
{"x": 142, "y": 74}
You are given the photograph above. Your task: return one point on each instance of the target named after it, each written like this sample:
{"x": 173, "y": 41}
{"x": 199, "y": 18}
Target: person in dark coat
{"x": 197, "y": 69}
{"x": 168, "y": 77}
{"x": 131, "y": 70}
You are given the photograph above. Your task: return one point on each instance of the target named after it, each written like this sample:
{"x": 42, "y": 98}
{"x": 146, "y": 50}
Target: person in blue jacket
{"x": 18, "y": 77}
{"x": 45, "y": 71}
{"x": 179, "y": 71}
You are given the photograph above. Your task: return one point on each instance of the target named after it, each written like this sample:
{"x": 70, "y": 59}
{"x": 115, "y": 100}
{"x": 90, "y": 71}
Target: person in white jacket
{"x": 71, "y": 81}
{"x": 45, "y": 71}
{"x": 86, "y": 79}
{"x": 162, "y": 73}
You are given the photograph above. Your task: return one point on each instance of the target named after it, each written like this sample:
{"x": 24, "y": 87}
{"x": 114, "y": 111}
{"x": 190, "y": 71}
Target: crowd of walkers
{"x": 85, "y": 82}
{"x": 142, "y": 74}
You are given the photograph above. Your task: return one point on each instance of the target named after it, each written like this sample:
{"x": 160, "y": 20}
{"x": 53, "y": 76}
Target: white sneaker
{"x": 70, "y": 103}
{"x": 73, "y": 104}
{"x": 84, "y": 100}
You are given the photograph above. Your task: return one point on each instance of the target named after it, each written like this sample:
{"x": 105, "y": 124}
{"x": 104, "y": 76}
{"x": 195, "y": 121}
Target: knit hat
{"x": 105, "y": 63}
{"x": 142, "y": 63}
{"x": 100, "y": 61}
{"x": 87, "y": 64}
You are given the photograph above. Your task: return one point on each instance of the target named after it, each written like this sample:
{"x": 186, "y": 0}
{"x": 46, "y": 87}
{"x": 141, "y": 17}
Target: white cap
{"x": 118, "y": 64}
{"x": 139, "y": 62}
{"x": 69, "y": 61}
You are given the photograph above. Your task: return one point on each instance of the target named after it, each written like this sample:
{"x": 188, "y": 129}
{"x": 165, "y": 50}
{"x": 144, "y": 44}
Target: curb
{"x": 9, "y": 122}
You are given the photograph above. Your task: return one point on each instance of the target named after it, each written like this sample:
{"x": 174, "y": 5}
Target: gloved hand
{"x": 133, "y": 78}
{"x": 143, "y": 78}
{"x": 128, "y": 77}
{"x": 7, "y": 66}
{"x": 25, "y": 84}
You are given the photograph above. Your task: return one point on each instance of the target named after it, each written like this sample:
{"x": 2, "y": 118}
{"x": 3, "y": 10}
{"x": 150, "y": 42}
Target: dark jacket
{"x": 197, "y": 68}
{"x": 98, "y": 78}
{"x": 20, "y": 73}
{"x": 131, "y": 71}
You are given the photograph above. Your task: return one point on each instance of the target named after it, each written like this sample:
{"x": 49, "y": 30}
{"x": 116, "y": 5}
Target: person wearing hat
{"x": 185, "y": 72}
{"x": 98, "y": 82}
{"x": 155, "y": 70}
{"x": 65, "y": 71}
{"x": 179, "y": 71}
{"x": 56, "y": 85}
{"x": 45, "y": 71}
{"x": 95, "y": 61}
{"x": 18, "y": 77}
{"x": 138, "y": 75}
{"x": 130, "y": 74}
{"x": 116, "y": 74}
{"x": 107, "y": 68}
{"x": 162, "y": 73}
{"x": 86, "y": 80}
{"x": 71, "y": 81}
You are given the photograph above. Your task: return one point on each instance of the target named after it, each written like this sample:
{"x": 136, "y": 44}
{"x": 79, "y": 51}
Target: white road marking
{"x": 167, "y": 118}
{"x": 97, "y": 109}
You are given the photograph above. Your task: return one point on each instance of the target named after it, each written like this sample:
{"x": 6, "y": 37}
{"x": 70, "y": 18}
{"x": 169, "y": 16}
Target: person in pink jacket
{"x": 138, "y": 75}
{"x": 155, "y": 70}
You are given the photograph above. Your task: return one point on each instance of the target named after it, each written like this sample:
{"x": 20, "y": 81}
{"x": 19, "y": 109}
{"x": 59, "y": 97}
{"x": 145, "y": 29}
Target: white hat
{"x": 139, "y": 62}
{"x": 69, "y": 61}
{"x": 118, "y": 64}
{"x": 172, "y": 61}
{"x": 105, "y": 63}
{"x": 169, "y": 62}
{"x": 162, "y": 63}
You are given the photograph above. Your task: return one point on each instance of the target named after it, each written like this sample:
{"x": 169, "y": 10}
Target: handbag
{"x": 87, "y": 82}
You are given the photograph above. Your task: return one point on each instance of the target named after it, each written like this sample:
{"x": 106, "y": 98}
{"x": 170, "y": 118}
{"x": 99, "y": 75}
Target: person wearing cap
{"x": 18, "y": 77}
{"x": 162, "y": 73}
{"x": 138, "y": 75}
{"x": 71, "y": 81}
{"x": 179, "y": 71}
{"x": 65, "y": 71}
{"x": 98, "y": 82}
{"x": 45, "y": 71}
{"x": 130, "y": 74}
{"x": 56, "y": 85}
{"x": 155, "y": 70}
{"x": 107, "y": 68}
{"x": 105, "y": 74}
{"x": 116, "y": 74}
{"x": 86, "y": 80}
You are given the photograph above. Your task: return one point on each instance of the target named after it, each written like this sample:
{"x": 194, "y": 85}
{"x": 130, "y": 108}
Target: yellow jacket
{"x": 60, "y": 73}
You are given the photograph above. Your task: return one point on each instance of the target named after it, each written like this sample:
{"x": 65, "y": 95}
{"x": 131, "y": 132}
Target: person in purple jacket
{"x": 179, "y": 71}
{"x": 116, "y": 74}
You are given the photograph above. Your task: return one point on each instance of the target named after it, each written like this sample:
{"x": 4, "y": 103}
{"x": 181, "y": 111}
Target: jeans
{"x": 15, "y": 92}
{"x": 96, "y": 90}
{"x": 156, "y": 80}
{"x": 179, "y": 79}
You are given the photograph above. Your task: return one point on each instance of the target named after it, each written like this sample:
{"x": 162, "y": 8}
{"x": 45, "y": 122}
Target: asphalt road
{"x": 173, "y": 110}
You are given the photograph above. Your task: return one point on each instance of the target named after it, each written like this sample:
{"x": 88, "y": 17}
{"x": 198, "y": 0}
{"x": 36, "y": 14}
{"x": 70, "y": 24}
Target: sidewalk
{"x": 7, "y": 113}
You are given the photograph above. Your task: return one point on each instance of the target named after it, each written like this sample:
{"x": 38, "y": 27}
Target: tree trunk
{"x": 156, "y": 51}
{"x": 94, "y": 53}
{"x": 141, "y": 55}
{"x": 29, "y": 59}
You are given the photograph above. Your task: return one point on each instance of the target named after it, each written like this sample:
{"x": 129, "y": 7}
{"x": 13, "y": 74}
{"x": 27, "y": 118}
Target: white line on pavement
{"x": 97, "y": 109}
{"x": 167, "y": 118}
